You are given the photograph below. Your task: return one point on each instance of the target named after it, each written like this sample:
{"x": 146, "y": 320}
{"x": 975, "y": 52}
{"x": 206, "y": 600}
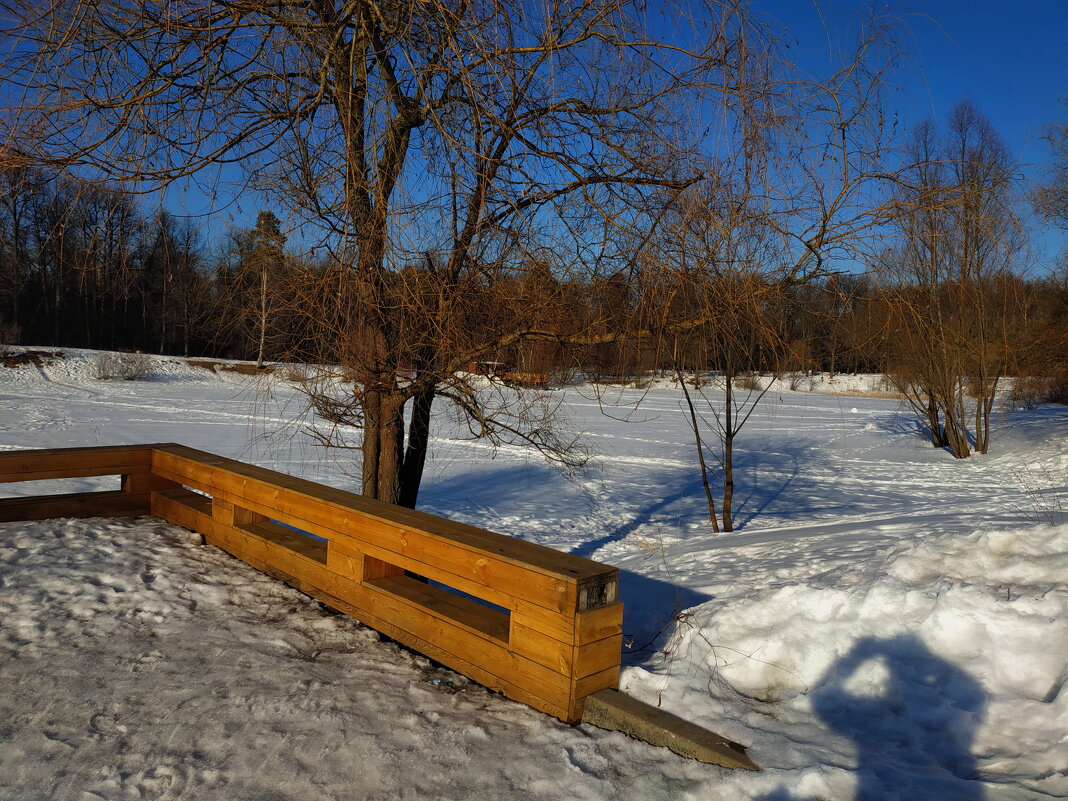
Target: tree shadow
{"x": 912, "y": 717}
{"x": 765, "y": 481}
{"x": 644, "y": 516}
{"x": 650, "y": 608}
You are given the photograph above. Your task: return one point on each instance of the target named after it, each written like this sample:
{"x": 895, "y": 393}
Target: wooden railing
{"x": 549, "y": 635}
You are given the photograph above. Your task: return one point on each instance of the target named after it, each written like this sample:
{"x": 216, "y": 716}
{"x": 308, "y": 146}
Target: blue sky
{"x": 1009, "y": 57}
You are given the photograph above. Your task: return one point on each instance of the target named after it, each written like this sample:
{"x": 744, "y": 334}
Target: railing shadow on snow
{"x": 650, "y": 605}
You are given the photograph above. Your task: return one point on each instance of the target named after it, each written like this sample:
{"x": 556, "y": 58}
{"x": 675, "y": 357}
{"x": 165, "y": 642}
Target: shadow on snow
{"x": 911, "y": 716}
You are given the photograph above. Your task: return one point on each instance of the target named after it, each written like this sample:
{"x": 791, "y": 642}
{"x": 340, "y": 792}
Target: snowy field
{"x": 887, "y": 623}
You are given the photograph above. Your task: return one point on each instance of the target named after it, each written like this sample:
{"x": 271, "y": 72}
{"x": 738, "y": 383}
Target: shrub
{"x": 748, "y": 381}
{"x": 297, "y": 374}
{"x": 126, "y": 366}
{"x": 9, "y": 335}
{"x": 1026, "y": 392}
{"x": 1058, "y": 389}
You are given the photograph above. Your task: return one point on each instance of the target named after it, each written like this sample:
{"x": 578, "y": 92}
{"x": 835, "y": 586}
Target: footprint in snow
{"x": 106, "y": 724}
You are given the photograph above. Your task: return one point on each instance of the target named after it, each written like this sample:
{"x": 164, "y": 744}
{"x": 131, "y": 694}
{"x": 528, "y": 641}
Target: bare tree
{"x": 1051, "y": 198}
{"x": 806, "y": 191}
{"x": 468, "y": 131}
{"x": 955, "y": 298}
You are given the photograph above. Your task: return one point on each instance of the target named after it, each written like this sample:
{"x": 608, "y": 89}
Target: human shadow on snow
{"x": 912, "y": 717}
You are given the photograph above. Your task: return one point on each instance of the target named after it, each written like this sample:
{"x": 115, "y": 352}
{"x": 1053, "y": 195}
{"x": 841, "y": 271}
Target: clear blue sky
{"x": 1009, "y": 57}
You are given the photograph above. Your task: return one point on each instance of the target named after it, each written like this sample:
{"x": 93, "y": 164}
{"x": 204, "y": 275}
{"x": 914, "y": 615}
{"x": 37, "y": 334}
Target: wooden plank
{"x": 462, "y": 610}
{"x": 542, "y": 648}
{"x": 144, "y": 483}
{"x": 230, "y": 540}
{"x": 499, "y": 583}
{"x": 428, "y": 554}
{"x": 574, "y": 660}
{"x": 555, "y": 624}
{"x": 221, "y": 508}
{"x": 115, "y": 503}
{"x": 244, "y": 517}
{"x": 607, "y": 679}
{"x": 286, "y": 538}
{"x": 596, "y": 624}
{"x": 193, "y": 463}
{"x": 305, "y": 513}
{"x": 194, "y": 500}
{"x": 359, "y": 567}
{"x": 183, "y": 508}
{"x": 38, "y": 465}
{"x": 297, "y": 565}
{"x": 597, "y": 656}
{"x": 376, "y": 569}
{"x": 552, "y": 622}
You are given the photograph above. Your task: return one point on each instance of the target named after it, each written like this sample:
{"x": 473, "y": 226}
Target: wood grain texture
{"x": 114, "y": 503}
{"x": 36, "y": 465}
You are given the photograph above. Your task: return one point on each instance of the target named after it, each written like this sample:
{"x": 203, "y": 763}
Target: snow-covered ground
{"x": 887, "y": 622}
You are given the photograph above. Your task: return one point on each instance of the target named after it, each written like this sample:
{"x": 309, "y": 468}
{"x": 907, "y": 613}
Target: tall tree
{"x": 462, "y": 129}
{"x": 954, "y": 298}
{"x": 263, "y": 268}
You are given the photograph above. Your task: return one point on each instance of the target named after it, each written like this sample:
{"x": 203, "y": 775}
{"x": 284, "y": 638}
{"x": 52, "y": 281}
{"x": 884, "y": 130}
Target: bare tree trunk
{"x": 411, "y": 474}
{"x": 934, "y": 422}
{"x": 263, "y": 317}
{"x": 391, "y": 444}
{"x": 700, "y": 451}
{"x": 728, "y": 452}
{"x": 957, "y": 426}
{"x": 371, "y": 403}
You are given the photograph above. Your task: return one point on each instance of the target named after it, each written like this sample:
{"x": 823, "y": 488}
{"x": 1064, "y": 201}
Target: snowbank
{"x": 928, "y": 666}
{"x": 887, "y": 620}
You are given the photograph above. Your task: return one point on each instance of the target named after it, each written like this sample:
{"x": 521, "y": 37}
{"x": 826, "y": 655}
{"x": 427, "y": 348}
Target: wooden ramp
{"x": 540, "y": 626}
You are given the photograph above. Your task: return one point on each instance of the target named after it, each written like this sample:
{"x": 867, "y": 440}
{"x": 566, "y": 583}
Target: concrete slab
{"x": 612, "y": 710}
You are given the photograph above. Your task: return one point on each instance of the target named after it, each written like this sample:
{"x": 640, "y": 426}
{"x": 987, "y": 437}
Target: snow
{"x": 887, "y": 622}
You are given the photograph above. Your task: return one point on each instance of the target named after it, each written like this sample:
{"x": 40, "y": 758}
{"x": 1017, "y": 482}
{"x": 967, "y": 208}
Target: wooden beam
{"x": 554, "y": 638}
{"x": 37, "y": 465}
{"x": 297, "y": 495}
{"x": 81, "y": 504}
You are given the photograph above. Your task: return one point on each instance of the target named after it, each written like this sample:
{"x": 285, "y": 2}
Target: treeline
{"x": 81, "y": 266}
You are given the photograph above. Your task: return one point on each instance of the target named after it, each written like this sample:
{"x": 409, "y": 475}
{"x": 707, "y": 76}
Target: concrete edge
{"x": 612, "y": 710}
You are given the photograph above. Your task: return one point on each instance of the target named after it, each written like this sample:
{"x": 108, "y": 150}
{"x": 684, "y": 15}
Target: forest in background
{"x": 82, "y": 266}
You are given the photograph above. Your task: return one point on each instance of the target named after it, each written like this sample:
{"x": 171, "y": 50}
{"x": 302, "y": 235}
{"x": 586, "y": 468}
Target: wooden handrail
{"x": 541, "y": 626}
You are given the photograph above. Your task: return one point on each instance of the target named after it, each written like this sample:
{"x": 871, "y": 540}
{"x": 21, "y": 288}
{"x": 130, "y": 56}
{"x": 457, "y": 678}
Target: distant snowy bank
{"x": 83, "y": 364}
